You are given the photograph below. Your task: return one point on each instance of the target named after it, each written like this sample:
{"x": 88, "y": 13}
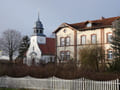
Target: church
{"x": 42, "y": 48}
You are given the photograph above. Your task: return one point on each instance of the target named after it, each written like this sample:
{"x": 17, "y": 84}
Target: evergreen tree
{"x": 116, "y": 40}
{"x": 114, "y": 66}
{"x": 24, "y": 46}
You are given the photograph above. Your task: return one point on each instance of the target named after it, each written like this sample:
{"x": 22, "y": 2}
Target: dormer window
{"x": 89, "y": 25}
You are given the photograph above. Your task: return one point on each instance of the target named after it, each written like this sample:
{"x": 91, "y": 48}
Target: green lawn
{"x": 12, "y": 89}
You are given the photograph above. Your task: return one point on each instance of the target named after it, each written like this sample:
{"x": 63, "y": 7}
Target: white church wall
{"x": 33, "y": 48}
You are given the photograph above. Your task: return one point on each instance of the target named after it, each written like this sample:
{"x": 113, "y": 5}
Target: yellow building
{"x": 70, "y": 37}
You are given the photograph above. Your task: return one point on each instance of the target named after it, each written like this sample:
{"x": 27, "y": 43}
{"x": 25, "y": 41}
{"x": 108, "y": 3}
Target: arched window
{"x": 36, "y": 31}
{"x": 41, "y": 31}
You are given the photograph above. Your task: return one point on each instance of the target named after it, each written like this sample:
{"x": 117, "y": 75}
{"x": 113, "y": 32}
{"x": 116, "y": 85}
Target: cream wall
{"x": 88, "y": 34}
{"x": 107, "y": 30}
{"x": 101, "y": 39}
{"x": 69, "y": 32}
{"x": 100, "y": 34}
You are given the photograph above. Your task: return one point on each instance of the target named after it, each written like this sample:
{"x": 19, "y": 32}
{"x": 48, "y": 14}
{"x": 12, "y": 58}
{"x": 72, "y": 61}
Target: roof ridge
{"x": 95, "y": 20}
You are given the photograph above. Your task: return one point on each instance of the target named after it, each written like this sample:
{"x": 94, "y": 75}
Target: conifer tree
{"x": 24, "y": 46}
{"x": 115, "y": 65}
{"x": 116, "y": 39}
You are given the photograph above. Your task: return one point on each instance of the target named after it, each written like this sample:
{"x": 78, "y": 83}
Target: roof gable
{"x": 63, "y": 26}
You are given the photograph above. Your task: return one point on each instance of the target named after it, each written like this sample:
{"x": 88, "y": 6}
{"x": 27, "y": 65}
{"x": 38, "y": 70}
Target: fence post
{"x": 118, "y": 84}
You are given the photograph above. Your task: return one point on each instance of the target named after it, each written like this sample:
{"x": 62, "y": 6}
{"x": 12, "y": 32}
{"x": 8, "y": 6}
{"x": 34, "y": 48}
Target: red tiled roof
{"x": 103, "y": 22}
{"x": 100, "y": 23}
{"x": 49, "y": 48}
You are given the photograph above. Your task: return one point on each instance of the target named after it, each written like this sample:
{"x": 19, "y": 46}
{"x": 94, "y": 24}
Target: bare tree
{"x": 10, "y": 42}
{"x": 90, "y": 57}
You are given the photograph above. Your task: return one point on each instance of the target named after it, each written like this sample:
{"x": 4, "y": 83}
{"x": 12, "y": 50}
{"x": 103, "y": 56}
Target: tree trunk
{"x": 11, "y": 57}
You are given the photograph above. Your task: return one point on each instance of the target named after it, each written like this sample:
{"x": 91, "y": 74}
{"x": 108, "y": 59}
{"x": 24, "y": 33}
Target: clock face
{"x": 41, "y": 40}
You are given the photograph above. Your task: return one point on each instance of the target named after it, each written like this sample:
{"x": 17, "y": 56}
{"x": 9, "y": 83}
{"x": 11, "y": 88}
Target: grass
{"x": 13, "y": 89}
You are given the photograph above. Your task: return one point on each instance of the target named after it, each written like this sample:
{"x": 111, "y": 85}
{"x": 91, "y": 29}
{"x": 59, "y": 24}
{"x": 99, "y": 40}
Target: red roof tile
{"x": 49, "y": 48}
{"x": 104, "y": 22}
{"x": 100, "y": 23}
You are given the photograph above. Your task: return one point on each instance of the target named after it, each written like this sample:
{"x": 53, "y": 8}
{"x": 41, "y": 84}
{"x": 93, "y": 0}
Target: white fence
{"x": 54, "y": 83}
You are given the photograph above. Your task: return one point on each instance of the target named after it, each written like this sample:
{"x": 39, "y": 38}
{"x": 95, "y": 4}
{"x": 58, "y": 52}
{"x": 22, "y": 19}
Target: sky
{"x": 21, "y": 14}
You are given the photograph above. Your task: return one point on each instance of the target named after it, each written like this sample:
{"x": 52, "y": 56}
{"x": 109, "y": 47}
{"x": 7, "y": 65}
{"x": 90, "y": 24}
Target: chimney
{"x": 102, "y": 18}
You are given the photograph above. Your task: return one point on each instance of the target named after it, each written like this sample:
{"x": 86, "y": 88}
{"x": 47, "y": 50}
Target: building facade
{"x": 42, "y": 48}
{"x": 71, "y": 37}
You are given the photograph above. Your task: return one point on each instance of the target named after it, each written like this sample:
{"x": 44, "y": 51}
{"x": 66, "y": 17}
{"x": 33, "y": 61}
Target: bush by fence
{"x": 63, "y": 70}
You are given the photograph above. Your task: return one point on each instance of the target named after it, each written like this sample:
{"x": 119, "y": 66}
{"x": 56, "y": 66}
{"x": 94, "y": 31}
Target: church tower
{"x": 39, "y": 32}
{"x": 38, "y": 38}
{"x": 38, "y": 28}
{"x": 41, "y": 47}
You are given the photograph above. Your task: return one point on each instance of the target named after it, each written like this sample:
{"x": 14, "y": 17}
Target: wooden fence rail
{"x": 54, "y": 83}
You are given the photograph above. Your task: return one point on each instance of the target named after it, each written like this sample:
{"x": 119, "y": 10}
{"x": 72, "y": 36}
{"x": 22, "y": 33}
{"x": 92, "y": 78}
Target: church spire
{"x": 38, "y": 27}
{"x": 38, "y": 16}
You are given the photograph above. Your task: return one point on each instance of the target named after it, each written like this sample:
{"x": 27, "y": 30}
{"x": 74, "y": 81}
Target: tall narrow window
{"x": 67, "y": 55}
{"x": 62, "y": 41}
{"x": 109, "y": 37}
{"x": 36, "y": 31}
{"x": 93, "y": 39}
{"x": 41, "y": 31}
{"x": 109, "y": 54}
{"x": 67, "y": 41}
{"x": 62, "y": 55}
{"x": 83, "y": 39}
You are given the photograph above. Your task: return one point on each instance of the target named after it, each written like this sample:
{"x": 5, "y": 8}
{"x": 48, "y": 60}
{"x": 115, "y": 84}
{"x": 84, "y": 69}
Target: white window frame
{"x": 62, "y": 41}
{"x": 94, "y": 39}
{"x": 83, "y": 39}
{"x": 109, "y": 37}
{"x": 67, "y": 41}
{"x": 62, "y": 55}
{"x": 110, "y": 54}
{"x": 67, "y": 55}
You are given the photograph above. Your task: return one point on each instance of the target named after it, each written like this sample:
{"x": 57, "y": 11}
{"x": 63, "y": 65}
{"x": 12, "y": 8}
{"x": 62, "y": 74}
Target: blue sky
{"x": 22, "y": 14}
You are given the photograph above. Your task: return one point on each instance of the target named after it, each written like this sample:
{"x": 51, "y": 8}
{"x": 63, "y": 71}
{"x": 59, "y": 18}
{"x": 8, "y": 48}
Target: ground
{"x": 13, "y": 89}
